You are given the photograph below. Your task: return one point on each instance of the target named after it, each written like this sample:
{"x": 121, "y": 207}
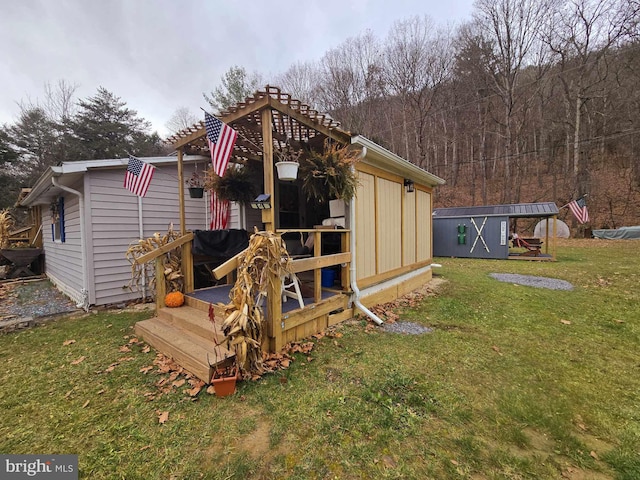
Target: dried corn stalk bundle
{"x": 171, "y": 261}
{"x": 6, "y": 224}
{"x": 266, "y": 259}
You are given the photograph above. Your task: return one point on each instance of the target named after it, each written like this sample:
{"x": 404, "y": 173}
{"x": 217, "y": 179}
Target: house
{"x": 88, "y": 220}
{"x": 383, "y": 251}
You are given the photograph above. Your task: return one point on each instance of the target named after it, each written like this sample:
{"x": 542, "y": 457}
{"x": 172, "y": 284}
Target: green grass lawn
{"x": 514, "y": 382}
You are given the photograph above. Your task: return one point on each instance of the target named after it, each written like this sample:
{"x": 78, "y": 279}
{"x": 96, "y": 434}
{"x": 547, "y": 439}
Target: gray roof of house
{"x": 527, "y": 210}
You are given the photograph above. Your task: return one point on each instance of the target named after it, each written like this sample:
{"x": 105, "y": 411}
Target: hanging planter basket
{"x": 196, "y": 192}
{"x": 287, "y": 171}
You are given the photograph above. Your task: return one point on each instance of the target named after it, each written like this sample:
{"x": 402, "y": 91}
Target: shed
{"x": 483, "y": 231}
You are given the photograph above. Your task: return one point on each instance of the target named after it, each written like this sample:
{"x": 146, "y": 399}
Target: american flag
{"x": 221, "y": 139}
{"x": 579, "y": 209}
{"x": 138, "y": 176}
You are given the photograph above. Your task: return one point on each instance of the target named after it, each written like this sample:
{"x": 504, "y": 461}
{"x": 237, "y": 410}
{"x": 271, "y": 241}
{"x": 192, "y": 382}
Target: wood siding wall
{"x": 63, "y": 263}
{"x": 366, "y": 226}
{"x": 393, "y": 227}
{"x": 424, "y": 225}
{"x": 389, "y": 232}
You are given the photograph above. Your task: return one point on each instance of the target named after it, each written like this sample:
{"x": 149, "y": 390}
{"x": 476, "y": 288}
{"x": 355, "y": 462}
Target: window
{"x": 57, "y": 220}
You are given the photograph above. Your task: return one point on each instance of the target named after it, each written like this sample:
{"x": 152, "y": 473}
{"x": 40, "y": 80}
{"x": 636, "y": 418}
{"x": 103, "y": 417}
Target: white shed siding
{"x": 113, "y": 225}
{"x": 63, "y": 262}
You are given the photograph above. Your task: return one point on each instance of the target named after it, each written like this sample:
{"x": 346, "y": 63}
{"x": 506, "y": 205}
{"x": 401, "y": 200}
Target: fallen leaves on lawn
{"x": 78, "y": 360}
{"x": 388, "y": 311}
{"x": 68, "y": 342}
{"x": 162, "y": 417}
{"x": 565, "y": 322}
{"x": 497, "y": 350}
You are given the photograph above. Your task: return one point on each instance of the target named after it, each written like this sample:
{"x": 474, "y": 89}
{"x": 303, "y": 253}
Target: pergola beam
{"x": 303, "y": 119}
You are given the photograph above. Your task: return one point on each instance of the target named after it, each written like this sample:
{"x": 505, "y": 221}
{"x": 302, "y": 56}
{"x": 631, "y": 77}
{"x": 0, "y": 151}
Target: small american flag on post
{"x": 221, "y": 138}
{"x": 579, "y": 209}
{"x": 138, "y": 176}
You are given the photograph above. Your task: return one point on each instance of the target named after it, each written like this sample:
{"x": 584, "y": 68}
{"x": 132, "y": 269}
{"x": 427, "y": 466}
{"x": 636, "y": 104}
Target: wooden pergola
{"x": 267, "y": 120}
{"x": 264, "y": 122}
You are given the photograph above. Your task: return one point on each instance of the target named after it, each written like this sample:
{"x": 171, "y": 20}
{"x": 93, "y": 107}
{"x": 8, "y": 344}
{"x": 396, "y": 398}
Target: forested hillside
{"x": 530, "y": 101}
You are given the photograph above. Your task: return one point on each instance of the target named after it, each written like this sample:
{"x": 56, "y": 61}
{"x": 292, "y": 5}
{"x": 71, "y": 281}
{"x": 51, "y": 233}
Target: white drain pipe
{"x": 355, "y": 298}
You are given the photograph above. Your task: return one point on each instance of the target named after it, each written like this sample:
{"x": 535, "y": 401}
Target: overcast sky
{"x": 158, "y": 55}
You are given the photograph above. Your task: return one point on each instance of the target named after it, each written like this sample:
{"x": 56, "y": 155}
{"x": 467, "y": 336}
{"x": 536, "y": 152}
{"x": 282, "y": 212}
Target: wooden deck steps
{"x": 186, "y": 335}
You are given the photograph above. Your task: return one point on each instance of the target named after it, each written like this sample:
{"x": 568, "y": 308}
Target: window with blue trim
{"x": 57, "y": 220}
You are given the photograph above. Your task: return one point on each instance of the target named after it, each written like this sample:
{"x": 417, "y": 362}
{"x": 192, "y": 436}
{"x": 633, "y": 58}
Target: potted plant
{"x": 196, "y": 189}
{"x": 288, "y": 163}
{"x": 236, "y": 185}
{"x": 330, "y": 175}
{"x": 225, "y": 372}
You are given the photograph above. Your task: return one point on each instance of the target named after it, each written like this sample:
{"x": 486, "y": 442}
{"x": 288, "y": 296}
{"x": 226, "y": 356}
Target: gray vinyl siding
{"x": 63, "y": 262}
{"x": 112, "y": 213}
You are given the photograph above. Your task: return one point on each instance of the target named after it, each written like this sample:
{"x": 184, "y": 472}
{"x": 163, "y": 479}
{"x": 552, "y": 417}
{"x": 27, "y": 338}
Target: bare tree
{"x": 583, "y": 33}
{"x": 301, "y": 81}
{"x": 511, "y": 26}
{"x": 418, "y": 61}
{"x": 351, "y": 82}
{"x": 180, "y": 119}
{"x": 59, "y": 100}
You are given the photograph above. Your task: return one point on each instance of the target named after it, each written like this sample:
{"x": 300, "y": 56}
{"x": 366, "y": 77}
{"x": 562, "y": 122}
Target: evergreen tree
{"x": 8, "y": 183}
{"x": 104, "y": 127}
{"x": 236, "y": 86}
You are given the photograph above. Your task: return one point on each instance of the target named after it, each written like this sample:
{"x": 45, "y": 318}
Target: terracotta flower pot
{"x": 225, "y": 385}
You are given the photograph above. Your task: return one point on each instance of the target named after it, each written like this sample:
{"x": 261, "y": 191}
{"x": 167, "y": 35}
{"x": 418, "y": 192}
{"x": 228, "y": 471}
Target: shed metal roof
{"x": 525, "y": 210}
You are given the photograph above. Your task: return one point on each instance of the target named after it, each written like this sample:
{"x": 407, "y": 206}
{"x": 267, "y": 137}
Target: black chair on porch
{"x": 211, "y": 248}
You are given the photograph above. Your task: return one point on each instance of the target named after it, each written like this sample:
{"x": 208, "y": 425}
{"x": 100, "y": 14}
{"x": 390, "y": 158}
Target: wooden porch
{"x": 186, "y": 334}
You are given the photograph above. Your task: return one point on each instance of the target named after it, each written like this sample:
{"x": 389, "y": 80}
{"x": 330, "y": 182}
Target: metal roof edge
{"x": 396, "y": 163}
{"x": 81, "y": 166}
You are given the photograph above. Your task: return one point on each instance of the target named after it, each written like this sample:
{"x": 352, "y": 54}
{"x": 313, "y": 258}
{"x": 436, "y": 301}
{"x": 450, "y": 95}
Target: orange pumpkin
{"x": 174, "y": 299}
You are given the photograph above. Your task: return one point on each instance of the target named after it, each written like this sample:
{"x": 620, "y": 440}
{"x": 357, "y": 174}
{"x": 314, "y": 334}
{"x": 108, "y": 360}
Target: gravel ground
{"x": 532, "y": 281}
{"x": 407, "y": 328}
{"x": 25, "y": 303}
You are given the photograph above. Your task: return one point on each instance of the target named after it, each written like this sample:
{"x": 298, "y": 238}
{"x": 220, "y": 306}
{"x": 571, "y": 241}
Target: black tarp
{"x": 220, "y": 244}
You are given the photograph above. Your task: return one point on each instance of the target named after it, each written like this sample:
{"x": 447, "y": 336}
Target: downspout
{"x": 141, "y": 235}
{"x": 84, "y": 304}
{"x": 355, "y": 298}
